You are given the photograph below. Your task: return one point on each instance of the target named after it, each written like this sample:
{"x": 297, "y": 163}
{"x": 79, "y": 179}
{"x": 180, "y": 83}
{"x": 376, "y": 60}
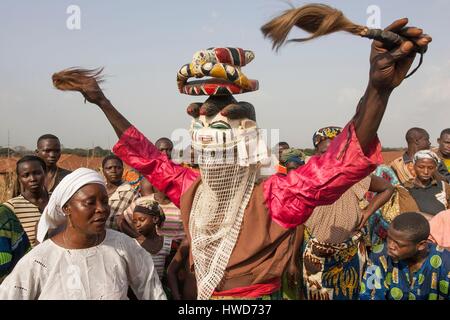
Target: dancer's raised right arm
{"x": 133, "y": 147}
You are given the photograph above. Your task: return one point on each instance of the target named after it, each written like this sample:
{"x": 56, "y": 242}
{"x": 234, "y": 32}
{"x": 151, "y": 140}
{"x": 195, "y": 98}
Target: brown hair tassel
{"x": 321, "y": 19}
{"x": 316, "y": 19}
{"x": 77, "y": 79}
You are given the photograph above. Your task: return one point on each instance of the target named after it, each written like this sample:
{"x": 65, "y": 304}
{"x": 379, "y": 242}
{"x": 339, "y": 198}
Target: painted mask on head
{"x": 227, "y": 146}
{"x": 231, "y": 139}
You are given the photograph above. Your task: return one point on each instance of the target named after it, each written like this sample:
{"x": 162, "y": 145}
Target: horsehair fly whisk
{"x": 320, "y": 20}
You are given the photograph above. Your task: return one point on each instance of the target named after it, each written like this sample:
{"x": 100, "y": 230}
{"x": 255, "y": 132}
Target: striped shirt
{"x": 173, "y": 225}
{"x": 28, "y": 215}
{"x": 159, "y": 259}
{"x": 118, "y": 202}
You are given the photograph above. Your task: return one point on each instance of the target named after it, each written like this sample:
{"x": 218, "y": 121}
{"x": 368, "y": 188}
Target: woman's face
{"x": 31, "y": 176}
{"x": 144, "y": 223}
{"x": 425, "y": 170}
{"x": 88, "y": 209}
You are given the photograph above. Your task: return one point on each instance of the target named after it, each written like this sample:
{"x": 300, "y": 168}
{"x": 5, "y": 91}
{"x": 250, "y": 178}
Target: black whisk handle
{"x": 387, "y": 37}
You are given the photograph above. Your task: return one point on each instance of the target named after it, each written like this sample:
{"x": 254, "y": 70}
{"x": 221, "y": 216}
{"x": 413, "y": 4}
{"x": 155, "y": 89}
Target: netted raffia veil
{"x": 228, "y": 168}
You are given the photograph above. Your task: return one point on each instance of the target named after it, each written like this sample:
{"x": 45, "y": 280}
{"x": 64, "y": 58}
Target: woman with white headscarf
{"x": 427, "y": 193}
{"x": 430, "y": 192}
{"x": 83, "y": 260}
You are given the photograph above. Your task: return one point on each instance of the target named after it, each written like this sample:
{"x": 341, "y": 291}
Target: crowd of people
{"x": 397, "y": 218}
{"x": 339, "y": 239}
{"x": 337, "y": 225}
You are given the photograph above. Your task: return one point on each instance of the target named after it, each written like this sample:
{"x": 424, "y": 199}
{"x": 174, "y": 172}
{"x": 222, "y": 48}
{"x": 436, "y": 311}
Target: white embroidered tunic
{"x": 101, "y": 272}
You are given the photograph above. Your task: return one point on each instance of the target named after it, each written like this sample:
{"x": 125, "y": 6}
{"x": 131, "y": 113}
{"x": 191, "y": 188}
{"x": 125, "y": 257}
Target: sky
{"x": 142, "y": 44}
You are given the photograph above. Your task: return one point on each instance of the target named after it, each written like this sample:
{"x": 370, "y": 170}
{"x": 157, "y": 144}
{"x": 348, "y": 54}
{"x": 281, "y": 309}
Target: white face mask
{"x": 227, "y": 141}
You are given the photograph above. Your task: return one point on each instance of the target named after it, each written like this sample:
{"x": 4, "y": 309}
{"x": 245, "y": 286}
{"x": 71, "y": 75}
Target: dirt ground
{"x": 388, "y": 156}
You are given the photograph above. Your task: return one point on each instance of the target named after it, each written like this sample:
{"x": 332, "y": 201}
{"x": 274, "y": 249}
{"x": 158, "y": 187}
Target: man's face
{"x": 400, "y": 247}
{"x": 50, "y": 151}
{"x": 423, "y": 142}
{"x": 113, "y": 171}
{"x": 444, "y": 145}
{"x": 425, "y": 170}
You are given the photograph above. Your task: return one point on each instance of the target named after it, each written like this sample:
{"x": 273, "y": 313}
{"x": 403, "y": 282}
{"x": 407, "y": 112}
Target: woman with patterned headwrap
{"x": 147, "y": 215}
{"x": 323, "y": 137}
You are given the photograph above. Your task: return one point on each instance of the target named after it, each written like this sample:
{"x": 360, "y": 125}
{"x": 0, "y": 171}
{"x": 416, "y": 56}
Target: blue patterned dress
{"x": 385, "y": 279}
{"x": 377, "y": 225}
